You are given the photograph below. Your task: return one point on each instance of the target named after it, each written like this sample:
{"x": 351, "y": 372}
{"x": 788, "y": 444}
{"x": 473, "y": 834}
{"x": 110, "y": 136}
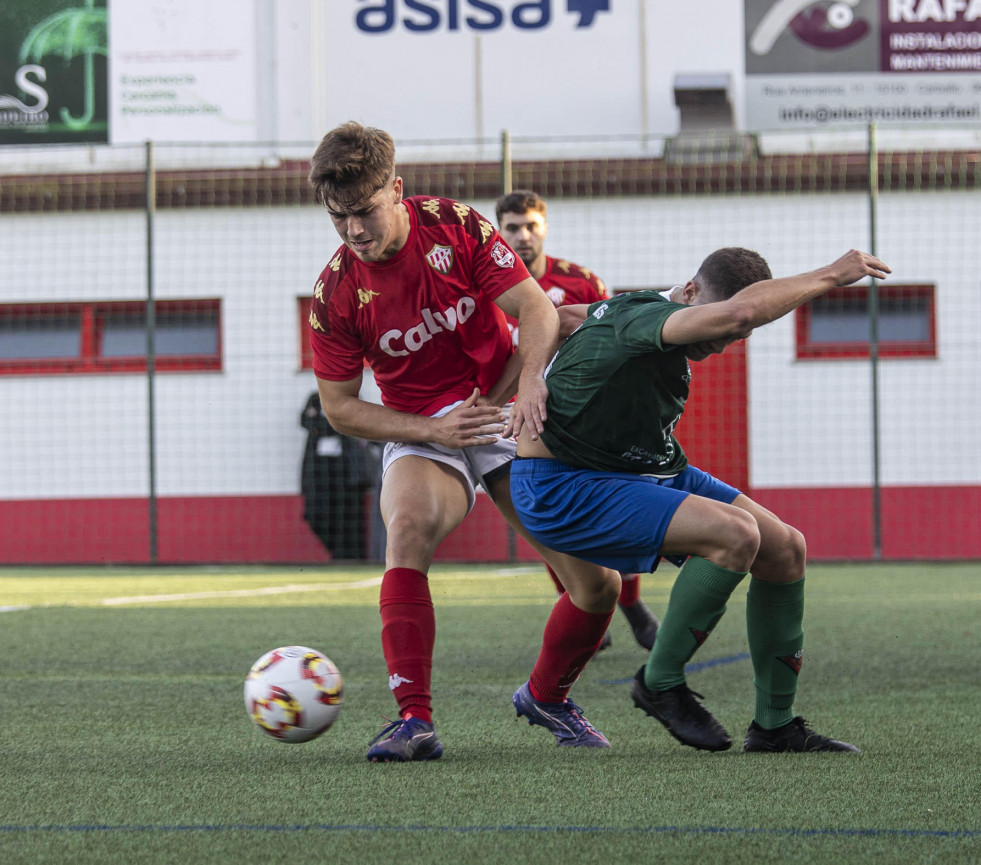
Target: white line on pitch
{"x": 266, "y": 590}
{"x": 240, "y": 593}
{"x": 279, "y": 590}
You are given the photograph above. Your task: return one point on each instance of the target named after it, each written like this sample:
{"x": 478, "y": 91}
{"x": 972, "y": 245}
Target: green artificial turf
{"x": 125, "y": 739}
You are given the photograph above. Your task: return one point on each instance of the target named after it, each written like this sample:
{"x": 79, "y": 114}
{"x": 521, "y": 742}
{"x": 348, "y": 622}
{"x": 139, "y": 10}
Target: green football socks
{"x": 697, "y": 602}
{"x": 774, "y": 625}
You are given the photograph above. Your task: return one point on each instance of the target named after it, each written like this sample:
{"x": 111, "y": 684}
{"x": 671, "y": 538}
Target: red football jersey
{"x": 424, "y": 319}
{"x": 567, "y": 283}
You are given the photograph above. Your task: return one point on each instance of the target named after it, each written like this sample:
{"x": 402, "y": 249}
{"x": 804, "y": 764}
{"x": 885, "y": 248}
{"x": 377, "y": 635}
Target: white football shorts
{"x": 471, "y": 463}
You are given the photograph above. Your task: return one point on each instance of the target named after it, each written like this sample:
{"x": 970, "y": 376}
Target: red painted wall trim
{"x": 73, "y": 531}
{"x": 216, "y": 529}
{"x": 225, "y": 529}
{"x": 837, "y": 523}
{"x": 927, "y": 523}
{"x": 933, "y": 522}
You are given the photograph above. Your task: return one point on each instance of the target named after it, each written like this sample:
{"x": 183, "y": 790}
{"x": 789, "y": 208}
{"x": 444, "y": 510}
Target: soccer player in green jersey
{"x": 609, "y": 483}
{"x": 521, "y": 215}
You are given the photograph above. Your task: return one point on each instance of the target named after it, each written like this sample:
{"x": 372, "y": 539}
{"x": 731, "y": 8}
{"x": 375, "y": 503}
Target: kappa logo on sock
{"x": 794, "y": 661}
{"x": 700, "y": 636}
{"x": 395, "y": 680}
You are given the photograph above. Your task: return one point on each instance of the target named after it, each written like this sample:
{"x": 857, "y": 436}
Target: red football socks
{"x": 571, "y": 638}
{"x": 408, "y": 634}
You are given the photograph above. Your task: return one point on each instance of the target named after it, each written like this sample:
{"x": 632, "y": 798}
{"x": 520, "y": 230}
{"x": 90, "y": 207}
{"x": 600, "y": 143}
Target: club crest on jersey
{"x": 502, "y": 256}
{"x": 440, "y": 258}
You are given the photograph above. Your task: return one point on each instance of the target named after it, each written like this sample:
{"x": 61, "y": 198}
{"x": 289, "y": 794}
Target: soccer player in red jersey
{"x": 521, "y": 217}
{"x": 420, "y": 289}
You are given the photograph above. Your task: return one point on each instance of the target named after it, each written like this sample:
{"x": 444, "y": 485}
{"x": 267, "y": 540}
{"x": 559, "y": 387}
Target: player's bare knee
{"x": 409, "y": 531}
{"x": 782, "y": 556}
{"x": 796, "y": 552}
{"x": 609, "y": 592}
{"x": 599, "y": 593}
{"x": 743, "y": 541}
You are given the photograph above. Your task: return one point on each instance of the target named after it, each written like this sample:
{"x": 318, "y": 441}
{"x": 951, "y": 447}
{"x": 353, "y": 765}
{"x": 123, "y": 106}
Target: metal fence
{"x": 155, "y": 375}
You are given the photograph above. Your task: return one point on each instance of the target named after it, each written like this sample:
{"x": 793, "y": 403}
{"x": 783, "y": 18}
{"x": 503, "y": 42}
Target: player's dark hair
{"x": 731, "y": 269}
{"x": 351, "y": 163}
{"x": 519, "y": 201}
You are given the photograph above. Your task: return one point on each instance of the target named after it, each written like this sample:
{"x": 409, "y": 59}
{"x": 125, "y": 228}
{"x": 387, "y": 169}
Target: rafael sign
{"x": 903, "y": 62}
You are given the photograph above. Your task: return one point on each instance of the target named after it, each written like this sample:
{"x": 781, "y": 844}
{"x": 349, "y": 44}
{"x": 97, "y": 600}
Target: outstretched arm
{"x": 763, "y": 302}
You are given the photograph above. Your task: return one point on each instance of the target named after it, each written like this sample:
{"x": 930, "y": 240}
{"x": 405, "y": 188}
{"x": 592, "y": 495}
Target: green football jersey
{"x": 615, "y": 393}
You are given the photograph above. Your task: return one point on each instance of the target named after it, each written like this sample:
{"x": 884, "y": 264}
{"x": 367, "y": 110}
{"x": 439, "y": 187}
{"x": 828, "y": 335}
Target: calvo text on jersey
{"x": 398, "y": 344}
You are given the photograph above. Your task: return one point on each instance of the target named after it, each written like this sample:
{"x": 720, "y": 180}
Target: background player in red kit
{"x": 419, "y": 289}
{"x": 521, "y": 217}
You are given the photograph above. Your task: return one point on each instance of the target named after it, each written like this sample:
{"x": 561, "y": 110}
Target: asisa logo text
{"x": 426, "y": 16}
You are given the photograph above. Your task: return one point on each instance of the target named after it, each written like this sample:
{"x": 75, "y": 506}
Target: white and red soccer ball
{"x": 294, "y": 693}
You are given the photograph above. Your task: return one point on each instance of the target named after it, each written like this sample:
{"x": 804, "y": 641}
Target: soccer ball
{"x": 294, "y": 693}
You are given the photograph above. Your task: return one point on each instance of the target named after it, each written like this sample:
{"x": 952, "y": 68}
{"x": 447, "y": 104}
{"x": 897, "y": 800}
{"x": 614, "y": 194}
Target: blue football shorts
{"x": 613, "y": 519}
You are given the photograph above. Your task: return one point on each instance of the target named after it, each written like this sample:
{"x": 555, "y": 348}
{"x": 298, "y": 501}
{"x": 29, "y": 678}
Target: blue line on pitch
{"x": 608, "y": 830}
{"x": 690, "y": 668}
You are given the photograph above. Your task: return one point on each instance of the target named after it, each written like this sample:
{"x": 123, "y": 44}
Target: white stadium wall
{"x": 100, "y": 422}
{"x": 930, "y": 407}
{"x": 260, "y": 260}
{"x": 234, "y": 434}
{"x": 638, "y": 191}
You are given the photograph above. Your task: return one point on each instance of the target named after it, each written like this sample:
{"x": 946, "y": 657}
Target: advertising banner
{"x": 183, "y": 70}
{"x": 829, "y": 64}
{"x": 53, "y": 59}
{"x": 428, "y": 69}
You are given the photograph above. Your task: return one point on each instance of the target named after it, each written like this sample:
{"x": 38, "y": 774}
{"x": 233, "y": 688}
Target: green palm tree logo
{"x": 78, "y": 32}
